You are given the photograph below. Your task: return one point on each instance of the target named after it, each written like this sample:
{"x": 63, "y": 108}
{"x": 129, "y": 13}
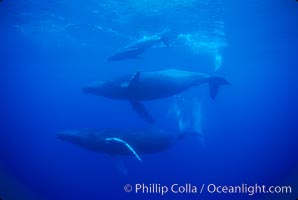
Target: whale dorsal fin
{"x": 135, "y": 78}
{"x": 120, "y": 141}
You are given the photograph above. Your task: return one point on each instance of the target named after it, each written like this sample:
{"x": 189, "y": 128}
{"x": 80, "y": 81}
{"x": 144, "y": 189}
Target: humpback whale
{"x": 133, "y": 50}
{"x": 144, "y": 86}
{"x": 125, "y": 141}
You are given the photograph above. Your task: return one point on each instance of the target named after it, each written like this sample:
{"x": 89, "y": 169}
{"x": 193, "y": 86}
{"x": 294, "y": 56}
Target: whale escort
{"x": 144, "y": 86}
{"x": 125, "y": 141}
{"x": 135, "y": 49}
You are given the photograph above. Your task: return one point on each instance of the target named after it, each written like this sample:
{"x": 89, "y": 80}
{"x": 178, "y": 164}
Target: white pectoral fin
{"x": 126, "y": 145}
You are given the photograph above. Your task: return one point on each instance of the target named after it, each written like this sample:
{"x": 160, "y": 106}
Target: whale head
{"x": 85, "y": 138}
{"x": 74, "y": 136}
{"x": 106, "y": 89}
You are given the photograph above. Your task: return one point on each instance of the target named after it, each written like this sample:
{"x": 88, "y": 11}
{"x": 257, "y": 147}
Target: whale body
{"x": 135, "y": 49}
{"x": 144, "y": 86}
{"x": 125, "y": 141}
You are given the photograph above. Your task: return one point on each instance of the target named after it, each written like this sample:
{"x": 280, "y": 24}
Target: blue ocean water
{"x": 49, "y": 50}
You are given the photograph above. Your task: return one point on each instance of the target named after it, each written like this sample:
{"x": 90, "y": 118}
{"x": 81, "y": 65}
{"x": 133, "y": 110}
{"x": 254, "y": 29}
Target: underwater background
{"x": 49, "y": 50}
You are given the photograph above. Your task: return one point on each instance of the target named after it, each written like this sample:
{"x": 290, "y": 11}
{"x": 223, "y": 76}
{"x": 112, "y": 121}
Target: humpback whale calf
{"x": 129, "y": 141}
{"x": 143, "y": 86}
{"x": 133, "y": 50}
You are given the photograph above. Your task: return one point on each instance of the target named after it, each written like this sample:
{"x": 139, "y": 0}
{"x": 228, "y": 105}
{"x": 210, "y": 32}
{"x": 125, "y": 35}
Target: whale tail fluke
{"x": 165, "y": 41}
{"x": 214, "y": 85}
{"x": 164, "y": 37}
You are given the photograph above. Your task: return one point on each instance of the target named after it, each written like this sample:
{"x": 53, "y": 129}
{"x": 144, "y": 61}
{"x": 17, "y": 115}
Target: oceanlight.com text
{"x": 188, "y": 188}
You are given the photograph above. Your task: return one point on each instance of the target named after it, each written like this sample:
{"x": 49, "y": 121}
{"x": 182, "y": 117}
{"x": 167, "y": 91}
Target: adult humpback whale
{"x": 125, "y": 141}
{"x": 143, "y": 86}
{"x": 133, "y": 50}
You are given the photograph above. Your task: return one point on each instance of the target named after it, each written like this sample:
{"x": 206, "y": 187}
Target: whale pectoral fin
{"x": 120, "y": 141}
{"x": 141, "y": 110}
{"x": 119, "y": 165}
{"x": 135, "y": 78}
